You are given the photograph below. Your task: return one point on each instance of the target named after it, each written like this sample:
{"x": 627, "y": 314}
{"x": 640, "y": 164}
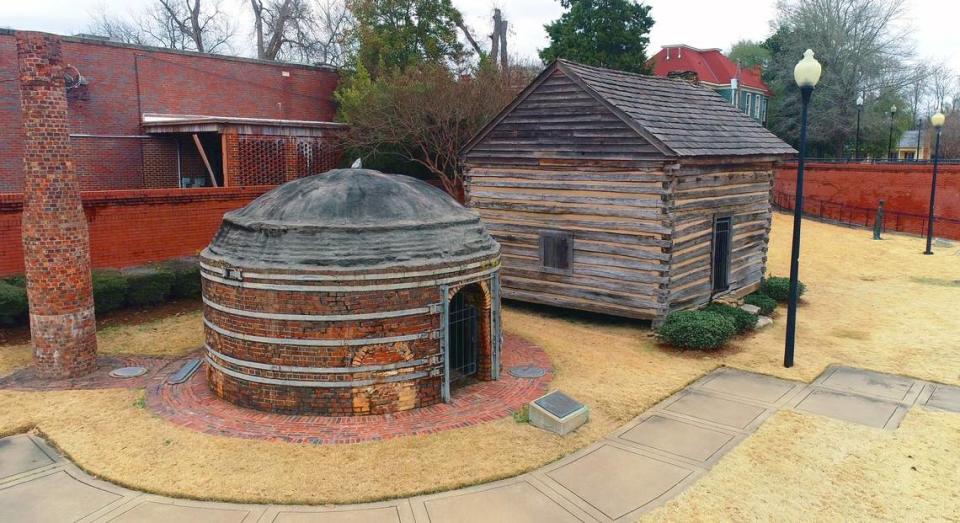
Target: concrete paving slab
{"x": 851, "y": 407}
{"x": 159, "y": 512}
{"x": 516, "y": 502}
{"x": 748, "y": 385}
{"x": 55, "y": 497}
{"x": 945, "y": 397}
{"x": 870, "y": 383}
{"x": 374, "y": 515}
{"x": 678, "y": 437}
{"x": 617, "y": 482}
{"x": 19, "y": 454}
{"x": 716, "y": 410}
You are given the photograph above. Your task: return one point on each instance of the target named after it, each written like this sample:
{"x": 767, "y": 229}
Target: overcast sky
{"x": 700, "y": 23}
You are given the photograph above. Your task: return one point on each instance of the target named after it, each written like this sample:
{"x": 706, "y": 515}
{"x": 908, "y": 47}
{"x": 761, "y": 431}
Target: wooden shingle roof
{"x": 678, "y": 118}
{"x": 688, "y": 119}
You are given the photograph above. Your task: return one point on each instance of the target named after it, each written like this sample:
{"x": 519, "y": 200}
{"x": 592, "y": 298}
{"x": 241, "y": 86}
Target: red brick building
{"x": 143, "y": 117}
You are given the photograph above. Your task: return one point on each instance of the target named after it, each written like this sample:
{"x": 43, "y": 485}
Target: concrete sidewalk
{"x": 637, "y": 468}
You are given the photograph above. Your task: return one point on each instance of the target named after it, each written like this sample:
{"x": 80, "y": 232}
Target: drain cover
{"x": 527, "y": 371}
{"x": 128, "y": 372}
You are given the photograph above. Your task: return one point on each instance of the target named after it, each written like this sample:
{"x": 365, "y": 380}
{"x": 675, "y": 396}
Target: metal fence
{"x": 910, "y": 223}
{"x": 881, "y": 161}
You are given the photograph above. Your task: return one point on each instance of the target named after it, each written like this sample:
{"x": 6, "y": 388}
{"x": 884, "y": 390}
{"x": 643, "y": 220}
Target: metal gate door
{"x": 462, "y": 331}
{"x": 722, "y": 241}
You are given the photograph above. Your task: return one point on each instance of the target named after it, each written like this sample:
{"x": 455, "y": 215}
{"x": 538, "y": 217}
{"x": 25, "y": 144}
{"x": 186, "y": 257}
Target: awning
{"x": 190, "y": 123}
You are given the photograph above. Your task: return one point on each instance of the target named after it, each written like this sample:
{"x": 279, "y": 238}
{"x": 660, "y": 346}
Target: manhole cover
{"x": 527, "y": 371}
{"x": 128, "y": 372}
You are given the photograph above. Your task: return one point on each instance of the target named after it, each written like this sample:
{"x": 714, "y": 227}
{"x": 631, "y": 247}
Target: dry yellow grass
{"x": 848, "y": 473}
{"x": 168, "y": 337}
{"x": 870, "y": 304}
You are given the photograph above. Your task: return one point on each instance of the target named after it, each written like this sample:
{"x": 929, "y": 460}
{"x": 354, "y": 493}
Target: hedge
{"x": 13, "y": 304}
{"x": 778, "y": 288}
{"x": 698, "y": 330}
{"x": 742, "y": 319}
{"x": 148, "y": 285}
{"x": 186, "y": 282}
{"x": 109, "y": 290}
{"x": 766, "y": 303}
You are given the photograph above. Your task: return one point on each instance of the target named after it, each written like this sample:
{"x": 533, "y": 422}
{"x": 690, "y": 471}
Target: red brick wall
{"x": 124, "y": 82}
{"x": 905, "y": 187}
{"x": 135, "y": 227}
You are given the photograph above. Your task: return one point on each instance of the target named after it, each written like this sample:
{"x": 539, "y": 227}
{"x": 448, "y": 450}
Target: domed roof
{"x": 351, "y": 219}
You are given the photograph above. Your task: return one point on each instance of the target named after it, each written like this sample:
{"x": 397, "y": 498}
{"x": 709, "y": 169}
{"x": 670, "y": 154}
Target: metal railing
{"x": 881, "y": 161}
{"x": 898, "y": 221}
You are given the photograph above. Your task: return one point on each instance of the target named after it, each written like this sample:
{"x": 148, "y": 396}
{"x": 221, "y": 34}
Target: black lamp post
{"x": 937, "y": 121}
{"x": 916, "y": 156}
{"x": 856, "y": 155}
{"x": 893, "y": 112}
{"x": 807, "y": 74}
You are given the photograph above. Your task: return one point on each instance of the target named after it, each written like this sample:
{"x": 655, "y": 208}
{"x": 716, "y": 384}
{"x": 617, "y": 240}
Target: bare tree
{"x": 300, "y": 30}
{"x": 943, "y": 86}
{"x": 116, "y": 29}
{"x": 498, "y": 40}
{"x": 203, "y": 24}
{"x": 862, "y": 46}
{"x": 424, "y": 115}
{"x": 176, "y": 24}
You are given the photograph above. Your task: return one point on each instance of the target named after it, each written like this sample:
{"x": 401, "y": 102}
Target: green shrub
{"x": 766, "y": 303}
{"x": 186, "y": 283}
{"x": 17, "y": 281}
{"x": 148, "y": 285}
{"x": 13, "y": 304}
{"x": 778, "y": 288}
{"x": 742, "y": 319}
{"x": 697, "y": 330}
{"x": 109, "y": 291}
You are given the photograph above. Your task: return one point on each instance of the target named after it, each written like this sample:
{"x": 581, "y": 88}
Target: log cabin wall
{"x": 562, "y": 162}
{"x": 700, "y": 192}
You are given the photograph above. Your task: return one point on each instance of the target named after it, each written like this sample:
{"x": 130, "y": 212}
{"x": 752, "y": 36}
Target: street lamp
{"x": 856, "y": 156}
{"x": 807, "y": 74}
{"x": 937, "y": 121}
{"x": 893, "y": 112}
{"x": 916, "y": 155}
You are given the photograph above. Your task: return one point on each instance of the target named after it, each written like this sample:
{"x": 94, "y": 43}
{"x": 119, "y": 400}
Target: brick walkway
{"x": 633, "y": 470}
{"x": 157, "y": 371}
{"x": 192, "y": 405}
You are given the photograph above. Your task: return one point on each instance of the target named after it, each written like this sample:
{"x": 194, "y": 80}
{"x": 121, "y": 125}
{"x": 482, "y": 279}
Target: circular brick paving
{"x": 192, "y": 405}
{"x": 157, "y": 370}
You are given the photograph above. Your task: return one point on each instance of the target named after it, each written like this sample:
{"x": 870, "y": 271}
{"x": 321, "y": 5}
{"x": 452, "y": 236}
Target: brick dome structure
{"x": 348, "y": 293}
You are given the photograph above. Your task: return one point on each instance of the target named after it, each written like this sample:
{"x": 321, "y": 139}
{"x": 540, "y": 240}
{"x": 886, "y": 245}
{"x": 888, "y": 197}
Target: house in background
{"x": 742, "y": 87}
{"x": 907, "y": 146}
{"x": 624, "y": 194}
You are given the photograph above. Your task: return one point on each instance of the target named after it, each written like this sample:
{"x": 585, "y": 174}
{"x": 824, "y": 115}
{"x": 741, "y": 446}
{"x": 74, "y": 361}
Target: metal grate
{"x": 462, "y": 332}
{"x": 722, "y": 236}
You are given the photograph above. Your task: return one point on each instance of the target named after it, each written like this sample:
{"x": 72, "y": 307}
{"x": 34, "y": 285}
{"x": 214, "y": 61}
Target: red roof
{"x": 710, "y": 65}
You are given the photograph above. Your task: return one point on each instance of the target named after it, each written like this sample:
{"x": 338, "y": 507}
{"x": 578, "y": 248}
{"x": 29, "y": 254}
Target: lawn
{"x": 874, "y": 304}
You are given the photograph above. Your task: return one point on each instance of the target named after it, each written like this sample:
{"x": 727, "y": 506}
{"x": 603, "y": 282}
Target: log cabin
{"x": 624, "y": 194}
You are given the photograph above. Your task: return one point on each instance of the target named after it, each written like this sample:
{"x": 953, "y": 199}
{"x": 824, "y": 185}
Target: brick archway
{"x": 480, "y": 296}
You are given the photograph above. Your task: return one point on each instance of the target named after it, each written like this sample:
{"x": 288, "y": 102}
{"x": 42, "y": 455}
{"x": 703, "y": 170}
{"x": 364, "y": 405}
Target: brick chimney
{"x": 56, "y": 245}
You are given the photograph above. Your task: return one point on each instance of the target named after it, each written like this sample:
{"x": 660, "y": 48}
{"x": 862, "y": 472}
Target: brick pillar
{"x": 230, "y": 142}
{"x": 290, "y": 159}
{"x": 56, "y": 245}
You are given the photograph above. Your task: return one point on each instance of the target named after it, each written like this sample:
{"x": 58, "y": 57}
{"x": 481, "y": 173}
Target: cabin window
{"x": 556, "y": 251}
{"x": 722, "y": 241}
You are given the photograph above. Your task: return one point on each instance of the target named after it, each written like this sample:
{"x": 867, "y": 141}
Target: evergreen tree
{"x": 604, "y": 33}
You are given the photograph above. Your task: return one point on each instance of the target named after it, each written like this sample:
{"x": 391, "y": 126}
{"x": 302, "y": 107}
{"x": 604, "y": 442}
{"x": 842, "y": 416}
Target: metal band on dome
{"x": 350, "y": 277}
{"x": 432, "y": 308}
{"x": 351, "y": 288}
{"x": 306, "y": 342}
{"x": 315, "y": 370}
{"x": 316, "y": 384}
